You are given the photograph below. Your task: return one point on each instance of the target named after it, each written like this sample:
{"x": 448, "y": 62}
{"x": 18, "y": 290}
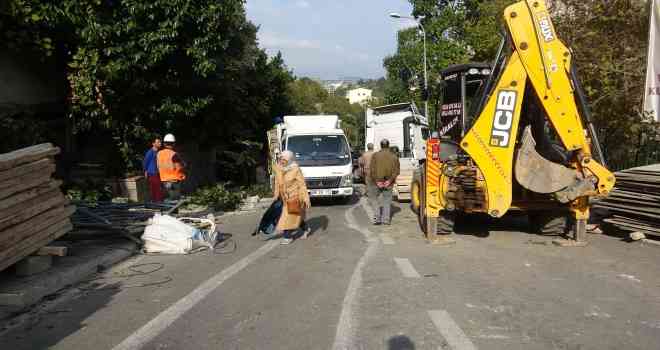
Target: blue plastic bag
{"x": 270, "y": 218}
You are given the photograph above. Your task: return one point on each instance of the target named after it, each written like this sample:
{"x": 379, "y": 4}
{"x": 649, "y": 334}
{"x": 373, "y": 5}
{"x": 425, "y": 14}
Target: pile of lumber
{"x": 33, "y": 211}
{"x": 634, "y": 204}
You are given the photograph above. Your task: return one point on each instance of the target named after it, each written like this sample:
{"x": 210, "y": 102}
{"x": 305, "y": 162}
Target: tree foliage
{"x": 143, "y": 68}
{"x": 609, "y": 40}
{"x": 309, "y": 97}
{"x": 456, "y": 32}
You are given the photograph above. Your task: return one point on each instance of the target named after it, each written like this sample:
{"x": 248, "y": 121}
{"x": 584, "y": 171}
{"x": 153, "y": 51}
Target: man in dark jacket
{"x": 383, "y": 171}
{"x": 150, "y": 167}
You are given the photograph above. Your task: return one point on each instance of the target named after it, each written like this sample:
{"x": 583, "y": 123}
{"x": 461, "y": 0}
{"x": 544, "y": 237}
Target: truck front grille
{"x": 323, "y": 182}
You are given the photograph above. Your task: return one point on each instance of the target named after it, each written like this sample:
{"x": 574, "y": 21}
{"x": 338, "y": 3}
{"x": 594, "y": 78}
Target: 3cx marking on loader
{"x": 524, "y": 139}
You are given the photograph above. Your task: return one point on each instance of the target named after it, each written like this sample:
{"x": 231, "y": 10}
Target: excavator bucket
{"x": 538, "y": 174}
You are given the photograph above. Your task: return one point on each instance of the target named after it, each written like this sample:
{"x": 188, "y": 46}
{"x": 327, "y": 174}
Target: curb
{"x": 18, "y": 294}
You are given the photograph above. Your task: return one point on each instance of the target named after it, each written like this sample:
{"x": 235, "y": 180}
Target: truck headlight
{"x": 346, "y": 181}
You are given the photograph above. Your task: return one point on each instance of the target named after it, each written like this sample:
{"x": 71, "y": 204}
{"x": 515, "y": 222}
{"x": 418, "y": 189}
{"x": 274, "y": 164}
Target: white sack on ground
{"x": 168, "y": 235}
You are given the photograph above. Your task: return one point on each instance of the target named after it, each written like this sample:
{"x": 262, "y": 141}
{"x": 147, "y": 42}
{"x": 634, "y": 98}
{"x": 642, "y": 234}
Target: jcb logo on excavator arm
{"x": 500, "y": 136}
{"x": 546, "y": 28}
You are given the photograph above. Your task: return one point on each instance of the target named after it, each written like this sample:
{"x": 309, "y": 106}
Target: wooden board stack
{"x": 634, "y": 205}
{"x": 33, "y": 211}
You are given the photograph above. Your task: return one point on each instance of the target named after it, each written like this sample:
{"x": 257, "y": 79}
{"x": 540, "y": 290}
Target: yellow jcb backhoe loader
{"x": 514, "y": 135}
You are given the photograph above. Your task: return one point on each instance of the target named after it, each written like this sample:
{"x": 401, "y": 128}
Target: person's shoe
{"x": 306, "y": 233}
{"x": 286, "y": 241}
{"x": 376, "y": 223}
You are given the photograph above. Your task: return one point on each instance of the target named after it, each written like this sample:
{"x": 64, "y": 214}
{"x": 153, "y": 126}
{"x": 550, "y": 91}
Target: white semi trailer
{"x": 407, "y": 130}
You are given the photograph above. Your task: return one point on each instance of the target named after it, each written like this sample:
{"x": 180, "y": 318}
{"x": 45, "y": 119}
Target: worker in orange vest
{"x": 171, "y": 168}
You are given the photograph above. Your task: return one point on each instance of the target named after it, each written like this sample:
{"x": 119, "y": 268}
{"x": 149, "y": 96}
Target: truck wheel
{"x": 549, "y": 222}
{"x": 421, "y": 208}
{"x": 446, "y": 223}
{"x": 416, "y": 192}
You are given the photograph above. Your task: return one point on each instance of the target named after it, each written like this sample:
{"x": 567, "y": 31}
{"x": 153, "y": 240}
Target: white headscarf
{"x": 290, "y": 160}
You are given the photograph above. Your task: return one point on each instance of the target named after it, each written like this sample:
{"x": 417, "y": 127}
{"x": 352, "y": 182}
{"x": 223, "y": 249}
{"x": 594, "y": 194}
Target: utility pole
{"x": 426, "y": 75}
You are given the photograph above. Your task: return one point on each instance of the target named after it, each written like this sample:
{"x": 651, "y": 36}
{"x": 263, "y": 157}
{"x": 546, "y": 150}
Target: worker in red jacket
{"x": 150, "y": 167}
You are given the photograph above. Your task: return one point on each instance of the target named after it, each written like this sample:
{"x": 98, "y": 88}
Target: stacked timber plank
{"x": 634, "y": 205}
{"x": 33, "y": 211}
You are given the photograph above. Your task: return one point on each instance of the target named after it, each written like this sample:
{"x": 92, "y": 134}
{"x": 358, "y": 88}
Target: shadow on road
{"x": 473, "y": 225}
{"x": 395, "y": 210}
{"x": 48, "y": 329}
{"x": 400, "y": 342}
{"x": 331, "y": 202}
{"x": 318, "y": 223}
{"x": 480, "y": 225}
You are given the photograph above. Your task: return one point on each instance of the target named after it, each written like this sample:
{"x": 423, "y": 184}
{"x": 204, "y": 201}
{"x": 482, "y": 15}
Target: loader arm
{"x": 540, "y": 59}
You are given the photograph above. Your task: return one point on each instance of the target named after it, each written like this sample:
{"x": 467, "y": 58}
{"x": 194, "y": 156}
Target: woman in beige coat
{"x": 290, "y": 187}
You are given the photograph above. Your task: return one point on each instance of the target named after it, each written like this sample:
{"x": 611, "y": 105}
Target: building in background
{"x": 332, "y": 85}
{"x": 359, "y": 95}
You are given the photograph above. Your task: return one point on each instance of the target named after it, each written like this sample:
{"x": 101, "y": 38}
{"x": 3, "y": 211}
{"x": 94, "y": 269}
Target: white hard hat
{"x": 169, "y": 138}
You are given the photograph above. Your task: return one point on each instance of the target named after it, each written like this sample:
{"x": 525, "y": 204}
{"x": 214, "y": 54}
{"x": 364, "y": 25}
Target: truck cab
{"x": 322, "y": 152}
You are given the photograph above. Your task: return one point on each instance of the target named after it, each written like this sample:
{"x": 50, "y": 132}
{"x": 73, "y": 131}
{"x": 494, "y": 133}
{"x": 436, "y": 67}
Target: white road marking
{"x": 386, "y": 239}
{"x": 158, "y": 324}
{"x": 407, "y": 268}
{"x": 629, "y": 277}
{"x": 453, "y": 334}
{"x": 493, "y": 336}
{"x": 352, "y": 223}
{"x": 367, "y": 208}
{"x": 346, "y": 334}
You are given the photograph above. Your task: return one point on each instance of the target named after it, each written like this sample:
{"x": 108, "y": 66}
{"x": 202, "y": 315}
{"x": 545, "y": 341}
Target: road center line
{"x": 159, "y": 323}
{"x": 353, "y": 224}
{"x": 407, "y": 268}
{"x": 453, "y": 334}
{"x": 346, "y": 334}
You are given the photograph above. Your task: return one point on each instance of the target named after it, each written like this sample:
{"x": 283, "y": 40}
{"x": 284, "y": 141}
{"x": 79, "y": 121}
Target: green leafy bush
{"x": 89, "y": 192}
{"x": 217, "y": 197}
{"x": 262, "y": 191}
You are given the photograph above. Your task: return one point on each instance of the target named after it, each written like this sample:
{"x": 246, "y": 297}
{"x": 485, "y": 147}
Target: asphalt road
{"x": 356, "y": 286}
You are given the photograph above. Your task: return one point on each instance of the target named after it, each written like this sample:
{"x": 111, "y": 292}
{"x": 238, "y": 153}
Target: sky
{"x": 330, "y": 39}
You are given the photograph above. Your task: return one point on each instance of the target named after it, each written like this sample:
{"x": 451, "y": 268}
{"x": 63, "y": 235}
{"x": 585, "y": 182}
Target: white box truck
{"x": 321, "y": 150}
{"x": 407, "y": 130}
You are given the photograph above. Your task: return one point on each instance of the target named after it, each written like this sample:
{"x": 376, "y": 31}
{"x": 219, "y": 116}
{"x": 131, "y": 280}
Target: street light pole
{"x": 426, "y": 75}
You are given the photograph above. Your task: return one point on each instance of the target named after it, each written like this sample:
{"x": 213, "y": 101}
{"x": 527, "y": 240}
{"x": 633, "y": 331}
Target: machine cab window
{"x": 461, "y": 90}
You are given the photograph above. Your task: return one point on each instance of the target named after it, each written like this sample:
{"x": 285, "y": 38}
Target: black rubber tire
{"x": 416, "y": 192}
{"x": 421, "y": 212}
{"x": 549, "y": 223}
{"x": 446, "y": 223}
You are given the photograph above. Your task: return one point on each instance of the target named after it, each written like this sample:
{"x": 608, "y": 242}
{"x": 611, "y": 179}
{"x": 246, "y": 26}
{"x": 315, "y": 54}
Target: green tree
{"x": 456, "y": 32}
{"x": 306, "y": 95}
{"x": 609, "y": 40}
{"x": 352, "y": 117}
{"x": 139, "y": 68}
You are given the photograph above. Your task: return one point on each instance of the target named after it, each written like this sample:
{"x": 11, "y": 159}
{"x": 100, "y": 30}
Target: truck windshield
{"x": 320, "y": 150}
